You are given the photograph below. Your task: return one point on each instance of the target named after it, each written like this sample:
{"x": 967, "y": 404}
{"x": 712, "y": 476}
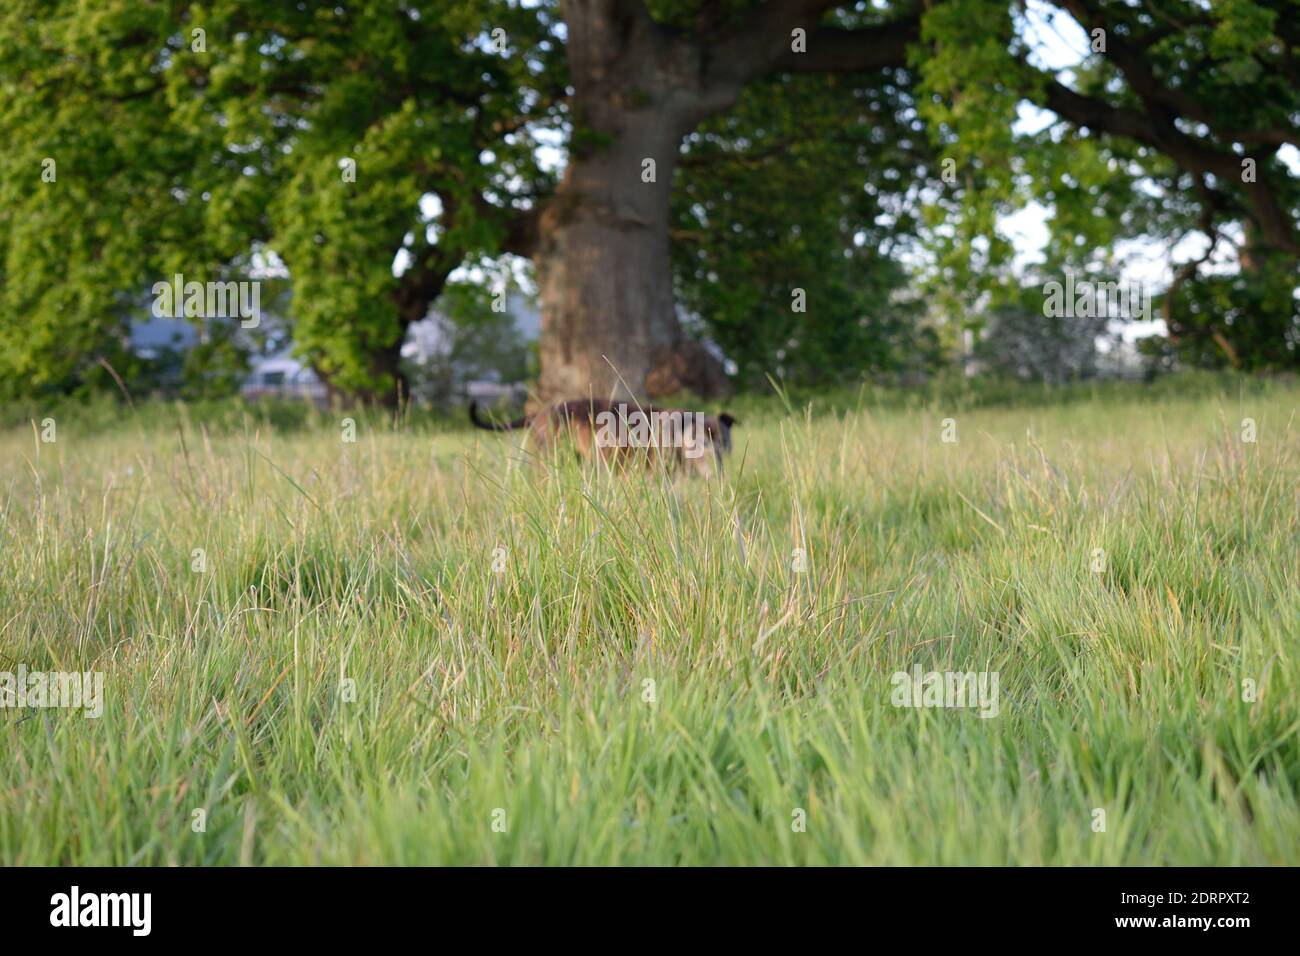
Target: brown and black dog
{"x": 620, "y": 431}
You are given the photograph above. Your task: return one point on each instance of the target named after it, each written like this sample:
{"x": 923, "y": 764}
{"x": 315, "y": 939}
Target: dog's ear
{"x": 731, "y": 421}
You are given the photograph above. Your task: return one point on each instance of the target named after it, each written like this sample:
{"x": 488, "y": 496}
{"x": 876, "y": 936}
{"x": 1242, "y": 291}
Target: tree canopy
{"x": 147, "y": 139}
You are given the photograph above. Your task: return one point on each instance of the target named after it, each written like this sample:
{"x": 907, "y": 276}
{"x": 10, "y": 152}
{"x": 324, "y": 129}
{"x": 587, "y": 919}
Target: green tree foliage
{"x": 1248, "y": 320}
{"x": 187, "y": 135}
{"x": 1171, "y": 125}
{"x": 791, "y": 215}
{"x": 146, "y": 139}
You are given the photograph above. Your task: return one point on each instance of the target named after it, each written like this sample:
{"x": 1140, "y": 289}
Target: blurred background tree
{"x": 150, "y": 139}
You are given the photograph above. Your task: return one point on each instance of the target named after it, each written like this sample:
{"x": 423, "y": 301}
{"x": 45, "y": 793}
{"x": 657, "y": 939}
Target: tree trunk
{"x": 384, "y": 364}
{"x": 608, "y": 314}
{"x": 609, "y": 320}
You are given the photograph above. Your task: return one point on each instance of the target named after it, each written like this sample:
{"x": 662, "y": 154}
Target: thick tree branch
{"x": 729, "y": 62}
{"x": 1193, "y": 155}
{"x": 836, "y": 50}
{"x": 1211, "y": 202}
{"x": 764, "y": 45}
{"x": 601, "y": 31}
{"x": 419, "y": 287}
{"x": 1133, "y": 59}
{"x": 523, "y": 231}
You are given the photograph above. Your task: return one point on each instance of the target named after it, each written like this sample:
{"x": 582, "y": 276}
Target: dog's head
{"x": 717, "y": 430}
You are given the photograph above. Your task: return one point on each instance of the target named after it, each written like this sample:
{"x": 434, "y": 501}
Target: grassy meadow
{"x": 421, "y": 648}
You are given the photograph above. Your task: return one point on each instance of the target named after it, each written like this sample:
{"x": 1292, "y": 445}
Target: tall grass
{"x": 648, "y": 678}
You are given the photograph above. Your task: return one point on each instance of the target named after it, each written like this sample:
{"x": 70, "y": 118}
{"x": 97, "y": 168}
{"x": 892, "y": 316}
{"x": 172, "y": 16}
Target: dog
{"x": 619, "y": 432}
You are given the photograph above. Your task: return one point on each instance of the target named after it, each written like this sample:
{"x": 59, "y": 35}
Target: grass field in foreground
{"x": 647, "y": 678}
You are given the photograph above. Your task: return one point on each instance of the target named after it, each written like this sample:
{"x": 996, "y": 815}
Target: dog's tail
{"x": 521, "y": 422}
